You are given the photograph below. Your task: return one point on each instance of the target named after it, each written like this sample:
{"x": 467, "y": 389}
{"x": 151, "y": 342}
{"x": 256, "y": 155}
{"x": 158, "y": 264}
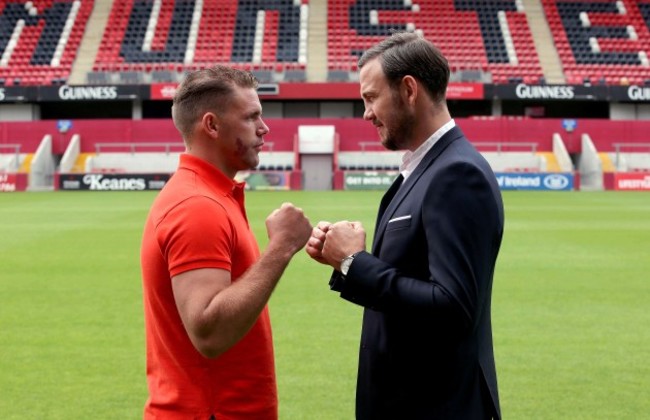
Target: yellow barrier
{"x": 552, "y": 164}
{"x": 80, "y": 164}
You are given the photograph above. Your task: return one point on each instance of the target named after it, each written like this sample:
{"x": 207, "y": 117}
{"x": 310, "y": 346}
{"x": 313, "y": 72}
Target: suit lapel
{"x": 388, "y": 197}
{"x": 395, "y": 195}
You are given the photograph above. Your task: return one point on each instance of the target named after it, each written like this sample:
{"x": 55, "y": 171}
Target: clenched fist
{"x": 315, "y": 244}
{"x": 330, "y": 243}
{"x": 288, "y": 228}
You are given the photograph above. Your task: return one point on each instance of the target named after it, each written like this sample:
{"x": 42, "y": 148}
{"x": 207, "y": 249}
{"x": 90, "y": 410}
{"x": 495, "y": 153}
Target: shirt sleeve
{"x": 196, "y": 233}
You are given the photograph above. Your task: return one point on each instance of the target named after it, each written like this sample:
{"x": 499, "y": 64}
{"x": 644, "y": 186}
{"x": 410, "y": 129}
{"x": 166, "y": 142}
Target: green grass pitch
{"x": 571, "y": 307}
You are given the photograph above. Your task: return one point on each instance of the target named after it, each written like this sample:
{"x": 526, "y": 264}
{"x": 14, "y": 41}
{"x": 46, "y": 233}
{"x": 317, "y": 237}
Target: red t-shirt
{"x": 199, "y": 221}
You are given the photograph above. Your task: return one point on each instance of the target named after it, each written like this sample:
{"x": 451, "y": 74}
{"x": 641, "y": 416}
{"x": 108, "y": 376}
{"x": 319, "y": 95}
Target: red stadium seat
{"x": 31, "y": 60}
{"x": 618, "y": 59}
{"x": 350, "y": 32}
{"x": 216, "y": 37}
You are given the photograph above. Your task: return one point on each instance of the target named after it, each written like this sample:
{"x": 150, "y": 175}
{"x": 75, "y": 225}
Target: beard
{"x": 247, "y": 155}
{"x": 399, "y": 129}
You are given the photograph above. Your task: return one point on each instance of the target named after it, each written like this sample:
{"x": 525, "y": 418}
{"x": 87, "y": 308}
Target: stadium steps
{"x": 26, "y": 164}
{"x": 90, "y": 42}
{"x": 541, "y": 32}
{"x": 317, "y": 42}
{"x": 552, "y": 164}
{"x": 608, "y": 165}
{"x": 80, "y": 163}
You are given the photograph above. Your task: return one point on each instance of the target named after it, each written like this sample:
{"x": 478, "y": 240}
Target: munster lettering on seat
{"x": 288, "y": 30}
{"x": 174, "y": 52}
{"x": 644, "y": 8}
{"x": 578, "y": 35}
{"x": 54, "y": 18}
{"x": 360, "y": 17}
{"x": 487, "y": 13}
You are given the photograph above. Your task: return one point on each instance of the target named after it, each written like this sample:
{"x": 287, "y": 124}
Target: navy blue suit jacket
{"x": 426, "y": 343}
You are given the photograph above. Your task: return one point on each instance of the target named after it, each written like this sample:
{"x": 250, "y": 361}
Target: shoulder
{"x": 199, "y": 210}
{"x": 185, "y": 193}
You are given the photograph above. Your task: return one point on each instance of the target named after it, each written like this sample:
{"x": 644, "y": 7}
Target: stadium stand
{"x": 369, "y": 160}
{"x": 39, "y": 40}
{"x": 596, "y": 42}
{"x": 515, "y": 146}
{"x": 133, "y": 157}
{"x": 277, "y": 161}
{"x": 630, "y": 157}
{"x": 10, "y": 157}
{"x": 135, "y": 147}
{"x": 509, "y": 157}
{"x": 360, "y": 149}
{"x": 493, "y": 48}
{"x": 131, "y": 162}
{"x": 150, "y": 37}
{"x": 483, "y": 41}
{"x": 601, "y": 42}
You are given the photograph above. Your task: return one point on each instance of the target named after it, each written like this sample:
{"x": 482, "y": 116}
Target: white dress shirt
{"x": 411, "y": 160}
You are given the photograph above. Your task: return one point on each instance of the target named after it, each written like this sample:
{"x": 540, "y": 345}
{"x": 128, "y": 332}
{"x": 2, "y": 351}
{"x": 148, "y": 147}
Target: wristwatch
{"x": 346, "y": 262}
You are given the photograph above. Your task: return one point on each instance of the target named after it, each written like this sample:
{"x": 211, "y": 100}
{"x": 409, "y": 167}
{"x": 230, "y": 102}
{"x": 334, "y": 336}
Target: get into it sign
{"x": 368, "y": 180}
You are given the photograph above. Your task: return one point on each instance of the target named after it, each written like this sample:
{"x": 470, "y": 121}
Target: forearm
{"x": 232, "y": 312}
{"x": 377, "y": 285}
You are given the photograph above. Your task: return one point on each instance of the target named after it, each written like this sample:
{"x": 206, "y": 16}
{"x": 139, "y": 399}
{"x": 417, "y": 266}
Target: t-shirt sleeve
{"x": 196, "y": 233}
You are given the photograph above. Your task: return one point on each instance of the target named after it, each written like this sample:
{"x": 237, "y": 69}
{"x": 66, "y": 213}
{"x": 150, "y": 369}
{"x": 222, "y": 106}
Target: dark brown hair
{"x": 409, "y": 54}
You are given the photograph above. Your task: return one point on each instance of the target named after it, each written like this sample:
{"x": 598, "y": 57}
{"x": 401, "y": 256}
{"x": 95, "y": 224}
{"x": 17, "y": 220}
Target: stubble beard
{"x": 397, "y": 138}
{"x": 247, "y": 155}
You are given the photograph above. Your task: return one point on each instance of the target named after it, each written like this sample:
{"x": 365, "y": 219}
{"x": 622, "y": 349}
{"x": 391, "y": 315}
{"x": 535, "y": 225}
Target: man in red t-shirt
{"x": 206, "y": 286}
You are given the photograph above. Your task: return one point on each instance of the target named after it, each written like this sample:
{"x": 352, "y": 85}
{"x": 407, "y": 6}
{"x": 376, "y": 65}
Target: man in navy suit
{"x": 426, "y": 344}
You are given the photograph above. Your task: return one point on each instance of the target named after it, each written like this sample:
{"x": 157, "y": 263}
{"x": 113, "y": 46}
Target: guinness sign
{"x": 526, "y": 92}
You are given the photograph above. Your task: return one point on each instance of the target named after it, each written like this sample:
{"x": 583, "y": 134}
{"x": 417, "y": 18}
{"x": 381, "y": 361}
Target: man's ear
{"x": 409, "y": 89}
{"x": 210, "y": 124}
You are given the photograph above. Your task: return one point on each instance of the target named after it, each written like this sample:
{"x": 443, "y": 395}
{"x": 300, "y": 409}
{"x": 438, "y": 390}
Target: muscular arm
{"x": 217, "y": 313}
